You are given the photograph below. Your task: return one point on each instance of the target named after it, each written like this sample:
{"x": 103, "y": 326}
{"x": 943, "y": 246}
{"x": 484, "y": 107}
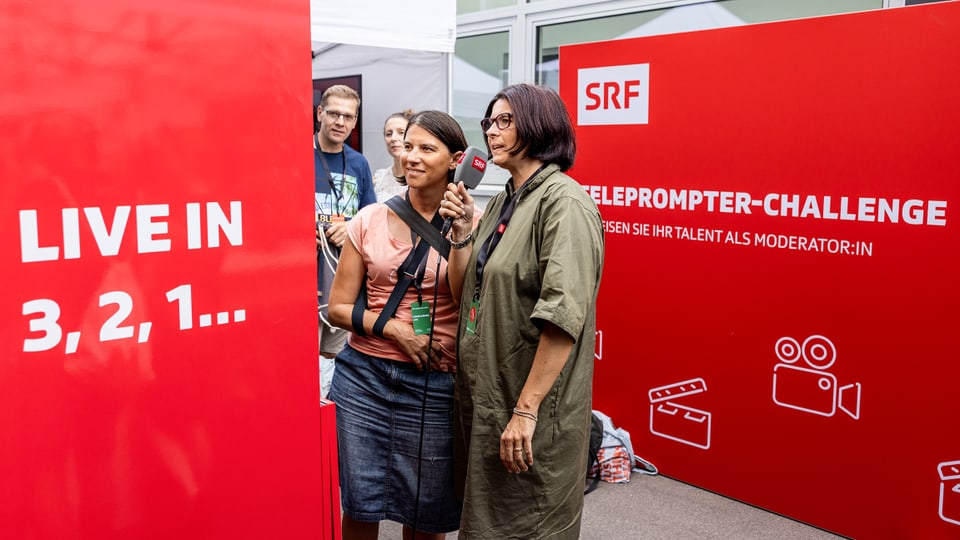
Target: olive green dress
{"x": 546, "y": 267}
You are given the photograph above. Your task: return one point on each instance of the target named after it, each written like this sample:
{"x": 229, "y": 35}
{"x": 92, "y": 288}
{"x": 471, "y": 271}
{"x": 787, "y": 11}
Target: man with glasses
{"x": 343, "y": 184}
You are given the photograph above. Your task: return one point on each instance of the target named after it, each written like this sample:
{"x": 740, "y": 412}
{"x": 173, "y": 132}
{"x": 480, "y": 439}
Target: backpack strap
{"x": 406, "y": 275}
{"x": 429, "y": 233}
{"x": 596, "y": 479}
{"x": 356, "y": 317}
{"x": 593, "y": 458}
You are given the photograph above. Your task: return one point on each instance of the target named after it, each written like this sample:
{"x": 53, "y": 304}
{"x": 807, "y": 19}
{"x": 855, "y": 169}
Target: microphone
{"x": 470, "y": 169}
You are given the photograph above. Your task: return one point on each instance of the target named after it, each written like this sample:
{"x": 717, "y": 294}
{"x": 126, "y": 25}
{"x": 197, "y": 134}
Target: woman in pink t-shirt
{"x": 393, "y": 388}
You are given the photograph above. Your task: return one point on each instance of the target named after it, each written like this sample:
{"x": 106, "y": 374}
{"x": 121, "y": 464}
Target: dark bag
{"x": 596, "y": 439}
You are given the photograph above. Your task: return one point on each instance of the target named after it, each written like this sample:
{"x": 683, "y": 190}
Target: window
{"x": 480, "y": 70}
{"x": 698, "y": 16}
{"x": 470, "y": 6}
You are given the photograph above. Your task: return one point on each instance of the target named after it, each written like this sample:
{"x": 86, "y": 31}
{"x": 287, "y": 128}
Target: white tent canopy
{"x": 402, "y": 56}
{"x": 426, "y": 25}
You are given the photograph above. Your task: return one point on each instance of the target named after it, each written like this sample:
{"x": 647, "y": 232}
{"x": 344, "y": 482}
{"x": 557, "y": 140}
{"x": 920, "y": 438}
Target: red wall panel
{"x": 779, "y": 306}
{"x": 158, "y": 371}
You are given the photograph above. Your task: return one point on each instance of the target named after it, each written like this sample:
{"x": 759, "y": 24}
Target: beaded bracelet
{"x": 463, "y": 243}
{"x": 525, "y": 414}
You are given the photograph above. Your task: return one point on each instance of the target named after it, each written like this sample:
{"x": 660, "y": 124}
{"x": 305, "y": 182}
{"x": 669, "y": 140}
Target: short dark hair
{"x": 442, "y": 126}
{"x": 544, "y": 129}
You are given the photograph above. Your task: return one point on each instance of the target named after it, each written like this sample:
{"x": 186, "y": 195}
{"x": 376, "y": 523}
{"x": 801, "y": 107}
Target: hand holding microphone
{"x": 457, "y": 205}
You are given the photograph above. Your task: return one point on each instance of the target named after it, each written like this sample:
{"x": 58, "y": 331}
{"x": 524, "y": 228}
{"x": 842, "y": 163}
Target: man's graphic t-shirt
{"x": 343, "y": 183}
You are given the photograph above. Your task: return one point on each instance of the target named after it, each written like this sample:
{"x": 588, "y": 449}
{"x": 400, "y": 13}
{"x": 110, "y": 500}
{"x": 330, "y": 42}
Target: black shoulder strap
{"x": 596, "y": 479}
{"x": 596, "y": 439}
{"x": 356, "y": 317}
{"x": 429, "y": 233}
{"x": 405, "y": 276}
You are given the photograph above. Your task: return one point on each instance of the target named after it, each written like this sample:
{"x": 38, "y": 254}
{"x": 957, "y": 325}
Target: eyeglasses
{"x": 503, "y": 121}
{"x": 334, "y": 116}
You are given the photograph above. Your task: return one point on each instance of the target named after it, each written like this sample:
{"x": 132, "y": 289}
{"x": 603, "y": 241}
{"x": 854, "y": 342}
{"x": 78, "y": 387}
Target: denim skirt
{"x": 391, "y": 446}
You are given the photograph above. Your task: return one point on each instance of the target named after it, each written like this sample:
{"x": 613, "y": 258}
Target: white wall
{"x": 392, "y": 80}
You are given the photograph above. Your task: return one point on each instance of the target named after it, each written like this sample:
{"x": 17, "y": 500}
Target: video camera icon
{"x": 812, "y": 389}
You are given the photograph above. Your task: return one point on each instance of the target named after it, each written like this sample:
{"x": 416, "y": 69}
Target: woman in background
{"x": 389, "y": 181}
{"x": 530, "y": 273}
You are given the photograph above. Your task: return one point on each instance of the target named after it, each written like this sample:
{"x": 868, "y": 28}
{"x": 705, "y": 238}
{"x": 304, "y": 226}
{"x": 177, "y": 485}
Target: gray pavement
{"x": 659, "y": 508}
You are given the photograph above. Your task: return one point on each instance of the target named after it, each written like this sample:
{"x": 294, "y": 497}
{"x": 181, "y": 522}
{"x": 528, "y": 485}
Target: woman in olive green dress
{"x": 528, "y": 277}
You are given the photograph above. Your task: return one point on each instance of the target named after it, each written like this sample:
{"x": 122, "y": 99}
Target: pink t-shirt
{"x": 383, "y": 254}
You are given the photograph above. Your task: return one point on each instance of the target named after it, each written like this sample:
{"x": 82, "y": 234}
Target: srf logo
{"x": 613, "y": 95}
{"x": 479, "y": 164}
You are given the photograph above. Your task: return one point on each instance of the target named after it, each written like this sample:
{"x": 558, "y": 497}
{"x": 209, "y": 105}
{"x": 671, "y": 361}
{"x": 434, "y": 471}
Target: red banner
{"x": 779, "y": 308}
{"x": 158, "y": 371}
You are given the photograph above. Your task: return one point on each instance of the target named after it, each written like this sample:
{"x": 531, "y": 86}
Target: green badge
{"x": 472, "y": 318}
{"x": 421, "y": 317}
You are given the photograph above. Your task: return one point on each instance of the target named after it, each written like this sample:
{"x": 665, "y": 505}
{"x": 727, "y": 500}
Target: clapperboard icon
{"x": 677, "y": 422}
